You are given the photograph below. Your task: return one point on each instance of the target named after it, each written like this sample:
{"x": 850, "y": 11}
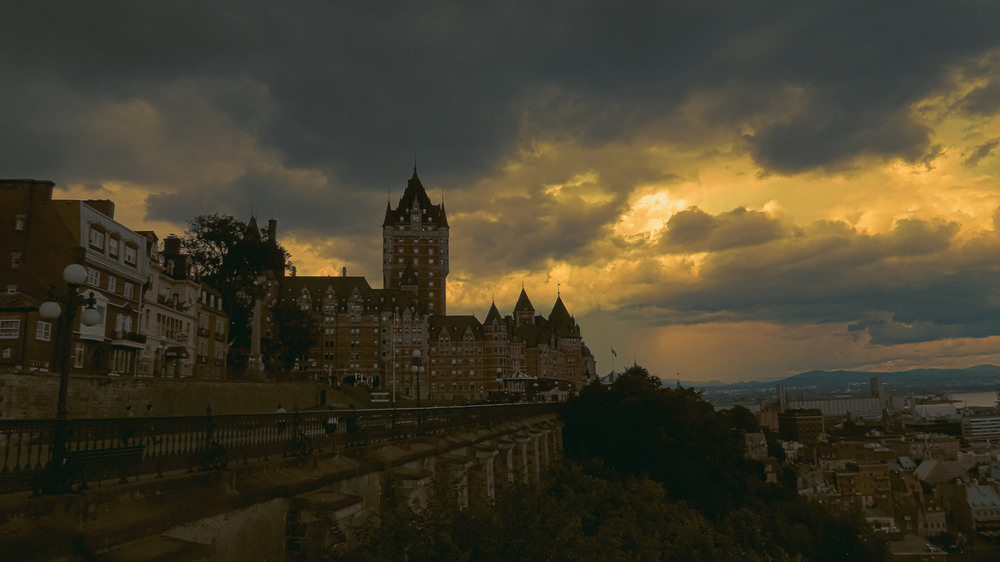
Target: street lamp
{"x": 65, "y": 308}
{"x": 416, "y": 369}
{"x": 499, "y": 383}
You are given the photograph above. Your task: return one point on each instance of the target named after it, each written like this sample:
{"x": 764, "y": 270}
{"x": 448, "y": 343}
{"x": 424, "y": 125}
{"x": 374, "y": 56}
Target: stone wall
{"x": 34, "y": 396}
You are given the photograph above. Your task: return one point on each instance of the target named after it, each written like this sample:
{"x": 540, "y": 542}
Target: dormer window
{"x": 96, "y": 238}
{"x": 130, "y": 254}
{"x": 113, "y": 244}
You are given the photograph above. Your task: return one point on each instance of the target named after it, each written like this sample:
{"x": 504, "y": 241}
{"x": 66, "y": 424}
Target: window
{"x": 129, "y": 289}
{"x": 10, "y": 328}
{"x": 11, "y": 289}
{"x": 15, "y": 260}
{"x": 19, "y": 222}
{"x": 130, "y": 255}
{"x": 93, "y": 277}
{"x": 43, "y": 331}
{"x": 78, "y": 356}
{"x": 112, "y": 283}
{"x": 113, "y": 247}
{"x": 96, "y": 238}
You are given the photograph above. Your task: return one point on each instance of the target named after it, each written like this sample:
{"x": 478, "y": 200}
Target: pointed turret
{"x": 562, "y": 323}
{"x": 443, "y": 218}
{"x": 524, "y": 303}
{"x": 388, "y": 215}
{"x": 524, "y": 313}
{"x": 493, "y": 315}
{"x": 252, "y": 233}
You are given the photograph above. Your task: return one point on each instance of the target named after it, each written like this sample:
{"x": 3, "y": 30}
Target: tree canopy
{"x": 294, "y": 332}
{"x": 232, "y": 256}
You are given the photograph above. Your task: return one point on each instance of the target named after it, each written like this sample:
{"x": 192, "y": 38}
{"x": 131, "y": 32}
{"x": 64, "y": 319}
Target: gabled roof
{"x": 409, "y": 278}
{"x": 455, "y": 326}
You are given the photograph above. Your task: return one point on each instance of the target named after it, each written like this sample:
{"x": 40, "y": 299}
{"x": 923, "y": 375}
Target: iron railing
{"x": 119, "y": 449}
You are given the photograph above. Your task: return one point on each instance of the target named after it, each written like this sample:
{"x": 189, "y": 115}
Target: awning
{"x": 176, "y": 352}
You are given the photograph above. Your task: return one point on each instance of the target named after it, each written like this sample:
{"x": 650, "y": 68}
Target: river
{"x": 988, "y": 398}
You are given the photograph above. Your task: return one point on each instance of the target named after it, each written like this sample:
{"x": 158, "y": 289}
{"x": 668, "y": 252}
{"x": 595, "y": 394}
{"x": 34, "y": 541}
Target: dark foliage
{"x": 294, "y": 332}
{"x": 639, "y": 449}
{"x": 232, "y": 262}
{"x": 674, "y": 436}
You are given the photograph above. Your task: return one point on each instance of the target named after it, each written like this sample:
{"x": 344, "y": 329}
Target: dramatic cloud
{"x": 682, "y": 165}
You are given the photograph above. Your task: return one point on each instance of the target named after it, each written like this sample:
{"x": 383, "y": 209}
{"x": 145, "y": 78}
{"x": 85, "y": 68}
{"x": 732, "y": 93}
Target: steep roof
{"x": 409, "y": 278}
{"x": 563, "y": 325}
{"x": 523, "y": 302}
{"x": 455, "y": 326}
{"x": 415, "y": 193}
{"x": 493, "y": 315}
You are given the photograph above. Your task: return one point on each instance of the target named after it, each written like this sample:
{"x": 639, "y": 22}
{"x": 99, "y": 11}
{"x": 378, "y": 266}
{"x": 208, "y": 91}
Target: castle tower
{"x": 415, "y": 247}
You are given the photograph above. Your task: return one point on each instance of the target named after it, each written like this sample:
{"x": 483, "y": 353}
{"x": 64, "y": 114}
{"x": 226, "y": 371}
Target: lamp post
{"x": 58, "y": 477}
{"x": 416, "y": 369}
{"x": 500, "y": 392}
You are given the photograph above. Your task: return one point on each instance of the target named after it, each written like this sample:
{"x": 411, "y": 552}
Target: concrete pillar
{"x": 522, "y": 463}
{"x": 545, "y": 439}
{"x": 457, "y": 468}
{"x": 414, "y": 485}
{"x": 318, "y": 521}
{"x": 484, "y": 474}
{"x": 504, "y": 465}
{"x": 534, "y": 455}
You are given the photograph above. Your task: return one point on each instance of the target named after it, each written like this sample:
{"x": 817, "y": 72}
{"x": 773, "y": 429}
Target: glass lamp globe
{"x": 50, "y": 310}
{"x": 416, "y": 353}
{"x": 90, "y": 317}
{"x": 75, "y": 274}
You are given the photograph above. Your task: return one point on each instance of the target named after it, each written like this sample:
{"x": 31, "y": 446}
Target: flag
{"x": 613, "y": 351}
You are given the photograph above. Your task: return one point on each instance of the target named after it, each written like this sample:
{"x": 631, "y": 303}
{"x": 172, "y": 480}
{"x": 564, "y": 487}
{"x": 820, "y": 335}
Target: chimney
{"x": 343, "y": 272}
{"x": 171, "y": 245}
{"x": 272, "y": 231}
{"x": 104, "y": 206}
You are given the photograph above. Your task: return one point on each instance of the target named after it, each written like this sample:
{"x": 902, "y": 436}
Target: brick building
{"x": 41, "y": 236}
{"x": 147, "y": 300}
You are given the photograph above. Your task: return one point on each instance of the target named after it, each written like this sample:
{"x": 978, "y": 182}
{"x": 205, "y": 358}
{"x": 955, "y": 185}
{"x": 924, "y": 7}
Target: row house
{"x": 170, "y": 310}
{"x": 41, "y": 237}
{"x": 213, "y": 335}
{"x": 148, "y": 300}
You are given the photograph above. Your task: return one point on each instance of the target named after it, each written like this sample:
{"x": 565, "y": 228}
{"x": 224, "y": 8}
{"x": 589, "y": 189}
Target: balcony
{"x": 121, "y": 338}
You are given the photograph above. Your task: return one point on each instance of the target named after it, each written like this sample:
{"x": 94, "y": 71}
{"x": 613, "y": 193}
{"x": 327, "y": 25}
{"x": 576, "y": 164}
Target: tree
{"x": 209, "y": 238}
{"x": 673, "y": 435}
{"x": 233, "y": 257}
{"x": 294, "y": 332}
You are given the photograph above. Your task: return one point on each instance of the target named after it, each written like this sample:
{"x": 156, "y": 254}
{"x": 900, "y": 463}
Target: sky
{"x": 717, "y": 190}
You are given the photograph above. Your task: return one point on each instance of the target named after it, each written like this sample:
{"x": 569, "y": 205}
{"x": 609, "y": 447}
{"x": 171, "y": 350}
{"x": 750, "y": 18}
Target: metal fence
{"x": 119, "y": 449}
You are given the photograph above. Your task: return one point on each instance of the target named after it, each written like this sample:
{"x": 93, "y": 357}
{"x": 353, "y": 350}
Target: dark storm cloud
{"x": 911, "y": 284}
{"x": 354, "y": 89}
{"x": 693, "y": 230}
{"x": 981, "y": 151}
{"x": 984, "y": 100}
